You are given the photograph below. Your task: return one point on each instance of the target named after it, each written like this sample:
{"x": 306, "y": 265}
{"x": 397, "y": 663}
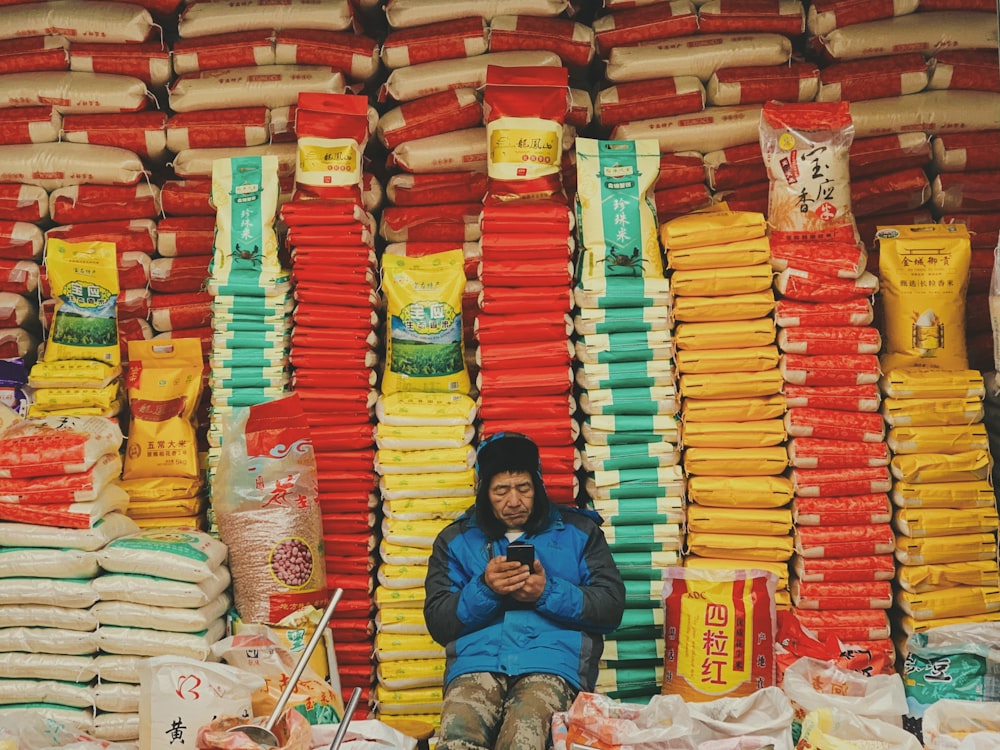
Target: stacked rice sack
{"x": 61, "y": 505}
{"x": 627, "y": 397}
{"x": 250, "y": 290}
{"x": 734, "y": 439}
{"x": 425, "y": 462}
{"x": 331, "y": 238}
{"x": 161, "y": 593}
{"x": 946, "y": 516}
{"x": 843, "y": 539}
{"x": 694, "y": 79}
{"x": 908, "y": 68}
{"x": 94, "y": 99}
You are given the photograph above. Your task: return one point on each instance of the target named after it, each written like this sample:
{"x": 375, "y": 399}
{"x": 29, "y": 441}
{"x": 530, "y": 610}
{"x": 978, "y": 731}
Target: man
{"x": 520, "y": 642}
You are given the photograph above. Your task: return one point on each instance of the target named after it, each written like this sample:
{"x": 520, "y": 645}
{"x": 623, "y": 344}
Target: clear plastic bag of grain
{"x": 266, "y": 501}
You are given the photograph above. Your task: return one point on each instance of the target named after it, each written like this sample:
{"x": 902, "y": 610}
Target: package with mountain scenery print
{"x": 84, "y": 281}
{"x": 616, "y": 217}
{"x": 425, "y": 350}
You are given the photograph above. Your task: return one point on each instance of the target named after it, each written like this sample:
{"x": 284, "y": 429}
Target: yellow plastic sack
{"x": 735, "y": 462}
{"x": 956, "y": 495}
{"x": 741, "y": 492}
{"x": 750, "y": 409}
{"x": 739, "y": 521}
{"x": 937, "y": 550}
{"x": 715, "y": 309}
{"x": 425, "y": 409}
{"x": 425, "y": 347}
{"x": 84, "y": 281}
{"x": 741, "y": 546}
{"x": 388, "y": 461}
{"x": 924, "y": 271}
{"x": 910, "y": 382}
{"x": 780, "y": 570}
{"x": 718, "y": 282}
{"x": 72, "y": 373}
{"x": 927, "y": 468}
{"x": 173, "y": 508}
{"x": 728, "y": 335}
{"x": 712, "y": 226}
{"x": 416, "y": 437}
{"x": 444, "y": 484}
{"x": 101, "y": 399}
{"x": 748, "y": 359}
{"x": 731, "y": 385}
{"x": 932, "y": 412}
{"x": 958, "y": 601}
{"x": 938, "y": 439}
{"x": 910, "y": 625}
{"x": 920, "y": 522}
{"x": 749, "y": 252}
{"x": 161, "y": 488}
{"x": 760, "y": 434}
{"x": 918, "y": 579}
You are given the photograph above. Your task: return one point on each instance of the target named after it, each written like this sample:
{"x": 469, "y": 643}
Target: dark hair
{"x": 492, "y": 526}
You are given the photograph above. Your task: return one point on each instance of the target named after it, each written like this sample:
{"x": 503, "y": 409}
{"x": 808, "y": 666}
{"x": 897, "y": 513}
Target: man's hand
{"x": 505, "y": 577}
{"x": 533, "y": 586}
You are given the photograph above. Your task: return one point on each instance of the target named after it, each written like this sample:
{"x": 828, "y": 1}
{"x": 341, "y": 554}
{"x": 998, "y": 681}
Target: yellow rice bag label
{"x": 408, "y": 408}
{"x": 84, "y": 281}
{"x": 523, "y": 148}
{"x": 425, "y": 349}
{"x": 164, "y": 385}
{"x": 739, "y": 521}
{"x": 715, "y": 309}
{"x": 924, "y": 272}
{"x": 328, "y": 162}
{"x": 742, "y": 492}
{"x": 72, "y": 373}
{"x": 748, "y": 252}
{"x": 750, "y": 409}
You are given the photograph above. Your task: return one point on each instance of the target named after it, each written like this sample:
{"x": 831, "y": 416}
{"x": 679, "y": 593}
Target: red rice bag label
{"x": 217, "y": 51}
{"x": 215, "y": 128}
{"x": 823, "y": 340}
{"x": 873, "y": 78}
{"x": 34, "y": 53}
{"x": 771, "y": 16}
{"x": 680, "y": 169}
{"x": 813, "y": 453}
{"x": 186, "y": 235}
{"x": 830, "y": 369}
{"x": 450, "y": 222}
{"x": 461, "y": 37}
{"x": 842, "y": 596}
{"x": 19, "y": 202}
{"x": 904, "y": 190}
{"x": 641, "y": 100}
{"x": 796, "y": 82}
{"x": 186, "y": 198}
{"x": 806, "y": 150}
{"x": 844, "y": 541}
{"x": 183, "y": 274}
{"x": 966, "y": 191}
{"x": 524, "y": 110}
{"x": 20, "y": 240}
{"x": 853, "y": 510}
{"x": 149, "y": 61}
{"x": 139, "y": 132}
{"x": 889, "y": 153}
{"x": 355, "y": 54}
{"x": 719, "y": 628}
{"x": 735, "y": 166}
{"x": 82, "y": 203}
{"x": 442, "y": 112}
{"x": 840, "y": 482}
{"x": 673, "y": 202}
{"x": 854, "y": 313}
{"x": 846, "y": 569}
{"x": 332, "y": 130}
{"x": 435, "y": 188}
{"x": 648, "y": 23}
{"x": 572, "y": 41}
{"x": 846, "y": 260}
{"x": 831, "y": 425}
{"x": 29, "y": 124}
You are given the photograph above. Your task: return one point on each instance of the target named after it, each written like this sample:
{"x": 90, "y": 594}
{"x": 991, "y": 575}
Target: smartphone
{"x": 521, "y": 552}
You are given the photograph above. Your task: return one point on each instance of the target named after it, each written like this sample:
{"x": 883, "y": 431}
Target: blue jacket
{"x": 560, "y": 634}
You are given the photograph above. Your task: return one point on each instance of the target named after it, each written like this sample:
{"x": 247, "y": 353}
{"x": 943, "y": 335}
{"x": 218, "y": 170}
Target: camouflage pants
{"x": 483, "y": 711}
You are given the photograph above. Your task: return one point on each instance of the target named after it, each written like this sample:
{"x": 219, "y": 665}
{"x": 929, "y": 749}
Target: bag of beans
{"x": 267, "y": 506}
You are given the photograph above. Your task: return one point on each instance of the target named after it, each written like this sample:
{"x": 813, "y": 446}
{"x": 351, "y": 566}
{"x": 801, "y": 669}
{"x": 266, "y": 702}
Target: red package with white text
{"x": 840, "y": 482}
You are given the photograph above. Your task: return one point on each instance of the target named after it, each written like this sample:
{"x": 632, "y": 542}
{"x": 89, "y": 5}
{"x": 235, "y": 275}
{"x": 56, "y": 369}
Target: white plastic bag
{"x": 951, "y": 724}
{"x": 597, "y": 721}
{"x": 760, "y": 719}
{"x": 812, "y": 684}
{"x": 839, "y": 729}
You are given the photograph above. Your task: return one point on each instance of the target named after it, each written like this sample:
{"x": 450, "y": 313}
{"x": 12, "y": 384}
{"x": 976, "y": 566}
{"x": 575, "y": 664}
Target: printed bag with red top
{"x": 806, "y": 149}
{"x": 332, "y": 131}
{"x": 524, "y": 109}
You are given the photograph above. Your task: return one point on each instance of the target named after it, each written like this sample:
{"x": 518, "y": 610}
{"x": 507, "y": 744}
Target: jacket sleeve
{"x": 596, "y": 605}
{"x": 456, "y": 601}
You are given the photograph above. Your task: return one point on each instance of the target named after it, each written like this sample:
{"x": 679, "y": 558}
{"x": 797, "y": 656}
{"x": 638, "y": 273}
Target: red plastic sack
{"x": 853, "y": 510}
{"x": 840, "y": 482}
{"x": 442, "y": 112}
{"x": 29, "y": 125}
{"x": 216, "y": 51}
{"x": 905, "y": 190}
{"x": 844, "y": 541}
{"x": 860, "y": 398}
{"x": 873, "y": 78}
{"x": 355, "y": 54}
{"x": 34, "y": 53}
{"x": 435, "y": 188}
{"x": 461, "y": 37}
{"x": 823, "y": 340}
{"x": 20, "y": 202}
{"x": 722, "y": 16}
{"x": 647, "y": 23}
{"x": 825, "y": 453}
{"x": 846, "y": 260}
{"x": 139, "y": 132}
{"x": 148, "y": 61}
{"x": 129, "y": 235}
{"x": 82, "y": 203}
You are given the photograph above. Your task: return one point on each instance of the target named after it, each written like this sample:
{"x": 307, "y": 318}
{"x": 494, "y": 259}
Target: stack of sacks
{"x": 830, "y": 369}
{"x": 426, "y": 464}
{"x": 331, "y": 239}
{"x": 106, "y": 119}
{"x": 964, "y": 192}
{"x": 943, "y": 82}
{"x": 161, "y": 593}
{"x": 60, "y": 506}
{"x": 730, "y": 386}
{"x": 946, "y": 517}
{"x": 626, "y": 376}
{"x": 251, "y": 303}
{"x": 80, "y": 369}
{"x": 524, "y": 382}
{"x": 667, "y": 61}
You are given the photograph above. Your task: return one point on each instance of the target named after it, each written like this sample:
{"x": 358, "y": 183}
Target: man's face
{"x": 512, "y": 495}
